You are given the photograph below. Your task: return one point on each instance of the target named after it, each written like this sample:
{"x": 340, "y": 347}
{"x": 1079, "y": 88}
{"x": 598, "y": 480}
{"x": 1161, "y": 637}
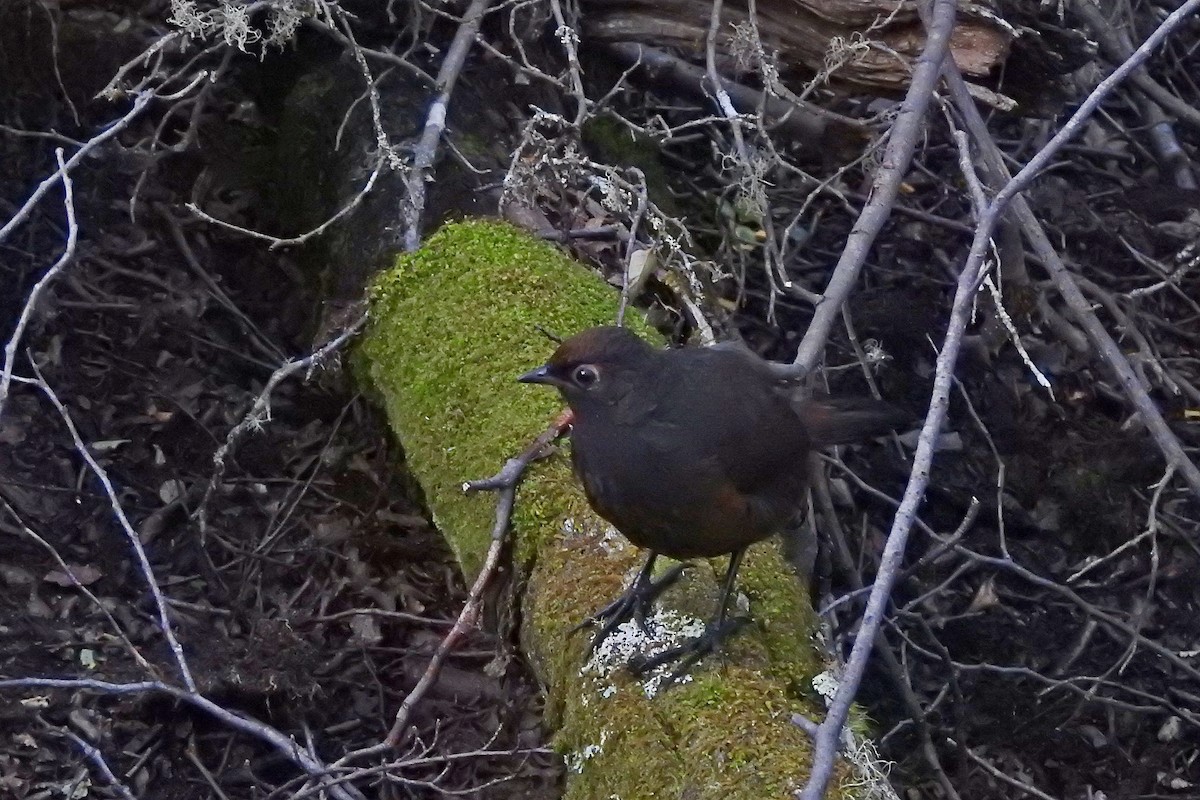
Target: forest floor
{"x": 1052, "y": 642}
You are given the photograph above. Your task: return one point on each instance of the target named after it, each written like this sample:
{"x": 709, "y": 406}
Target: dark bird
{"x": 692, "y": 453}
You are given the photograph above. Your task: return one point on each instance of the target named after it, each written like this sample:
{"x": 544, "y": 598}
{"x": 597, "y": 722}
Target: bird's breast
{"x": 675, "y": 501}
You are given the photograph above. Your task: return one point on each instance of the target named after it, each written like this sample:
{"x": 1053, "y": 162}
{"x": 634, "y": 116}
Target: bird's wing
{"x": 741, "y": 430}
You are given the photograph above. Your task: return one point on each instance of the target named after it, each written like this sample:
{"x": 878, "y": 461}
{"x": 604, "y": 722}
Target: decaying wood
{"x": 806, "y": 35}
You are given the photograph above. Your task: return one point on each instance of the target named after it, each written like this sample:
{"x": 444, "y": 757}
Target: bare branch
{"x": 10, "y": 347}
{"x": 899, "y": 150}
{"x": 435, "y": 122}
{"x": 902, "y": 143}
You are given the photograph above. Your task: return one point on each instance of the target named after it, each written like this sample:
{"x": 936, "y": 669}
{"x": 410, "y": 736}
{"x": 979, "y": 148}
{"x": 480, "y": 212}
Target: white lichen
{"x": 826, "y": 685}
{"x": 607, "y": 537}
{"x": 576, "y": 760}
{"x": 663, "y": 630}
{"x": 870, "y": 771}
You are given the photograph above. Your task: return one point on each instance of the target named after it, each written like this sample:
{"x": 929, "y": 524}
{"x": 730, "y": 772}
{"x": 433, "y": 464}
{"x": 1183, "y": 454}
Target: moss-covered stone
{"x": 452, "y": 327}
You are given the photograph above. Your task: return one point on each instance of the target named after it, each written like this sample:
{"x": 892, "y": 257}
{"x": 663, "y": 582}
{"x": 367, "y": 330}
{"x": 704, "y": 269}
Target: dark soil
{"x": 1050, "y": 643}
{"x": 315, "y": 595}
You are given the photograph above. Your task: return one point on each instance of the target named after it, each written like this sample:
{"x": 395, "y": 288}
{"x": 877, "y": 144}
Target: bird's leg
{"x": 634, "y": 603}
{"x": 720, "y": 628}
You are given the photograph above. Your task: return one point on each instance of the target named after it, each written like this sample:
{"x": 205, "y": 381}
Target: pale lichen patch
{"x": 577, "y": 760}
{"x": 662, "y": 630}
{"x": 602, "y": 535}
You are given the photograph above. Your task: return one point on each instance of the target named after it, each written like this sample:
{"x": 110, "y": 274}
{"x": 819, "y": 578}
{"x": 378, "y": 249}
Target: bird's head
{"x": 594, "y": 367}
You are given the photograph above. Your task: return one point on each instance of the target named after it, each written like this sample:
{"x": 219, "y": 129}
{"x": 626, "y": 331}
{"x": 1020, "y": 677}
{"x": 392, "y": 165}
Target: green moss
{"x": 452, "y": 327}
{"x": 725, "y": 734}
{"x": 476, "y": 287}
{"x": 784, "y": 613}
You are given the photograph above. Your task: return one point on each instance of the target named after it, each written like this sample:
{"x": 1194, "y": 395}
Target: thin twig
{"x": 504, "y": 483}
{"x": 902, "y": 143}
{"x": 160, "y": 603}
{"x": 27, "y": 312}
{"x": 435, "y": 122}
{"x": 274, "y": 241}
{"x": 281, "y": 743}
{"x": 1004, "y": 778}
{"x": 84, "y": 590}
{"x": 260, "y": 411}
{"x": 139, "y": 105}
{"x": 93, "y": 754}
{"x": 898, "y": 153}
{"x": 1103, "y": 343}
{"x": 715, "y": 85}
{"x": 631, "y": 246}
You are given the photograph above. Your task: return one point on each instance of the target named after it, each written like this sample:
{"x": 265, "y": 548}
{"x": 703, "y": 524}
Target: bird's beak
{"x": 539, "y": 375}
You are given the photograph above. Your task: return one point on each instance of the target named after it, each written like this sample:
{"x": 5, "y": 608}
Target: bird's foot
{"x": 690, "y": 652}
{"x": 634, "y": 603}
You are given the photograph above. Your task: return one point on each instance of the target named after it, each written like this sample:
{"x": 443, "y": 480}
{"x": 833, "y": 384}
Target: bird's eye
{"x": 586, "y": 376}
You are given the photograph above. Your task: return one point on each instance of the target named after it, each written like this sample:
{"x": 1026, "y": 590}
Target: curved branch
{"x": 902, "y": 142}
{"x": 1068, "y": 288}
{"x": 899, "y": 150}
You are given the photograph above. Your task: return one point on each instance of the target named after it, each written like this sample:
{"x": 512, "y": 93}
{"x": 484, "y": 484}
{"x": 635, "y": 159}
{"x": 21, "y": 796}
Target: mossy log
{"x": 452, "y": 327}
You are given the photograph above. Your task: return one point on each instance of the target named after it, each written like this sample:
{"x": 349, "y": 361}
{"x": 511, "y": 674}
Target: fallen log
{"x": 453, "y": 325}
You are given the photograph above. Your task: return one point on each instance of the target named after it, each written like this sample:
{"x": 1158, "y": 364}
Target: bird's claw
{"x": 634, "y": 603}
{"x": 690, "y": 652}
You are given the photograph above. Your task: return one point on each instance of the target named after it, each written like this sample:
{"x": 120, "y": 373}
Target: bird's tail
{"x": 843, "y": 420}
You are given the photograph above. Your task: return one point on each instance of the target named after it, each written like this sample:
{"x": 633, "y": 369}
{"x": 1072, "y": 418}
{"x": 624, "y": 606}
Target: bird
{"x": 692, "y": 452}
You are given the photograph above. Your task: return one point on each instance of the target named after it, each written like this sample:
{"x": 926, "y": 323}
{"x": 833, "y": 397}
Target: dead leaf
{"x": 85, "y": 575}
{"x": 170, "y": 491}
{"x": 365, "y": 630}
{"x": 107, "y": 445}
{"x": 642, "y": 264}
{"x": 985, "y": 597}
